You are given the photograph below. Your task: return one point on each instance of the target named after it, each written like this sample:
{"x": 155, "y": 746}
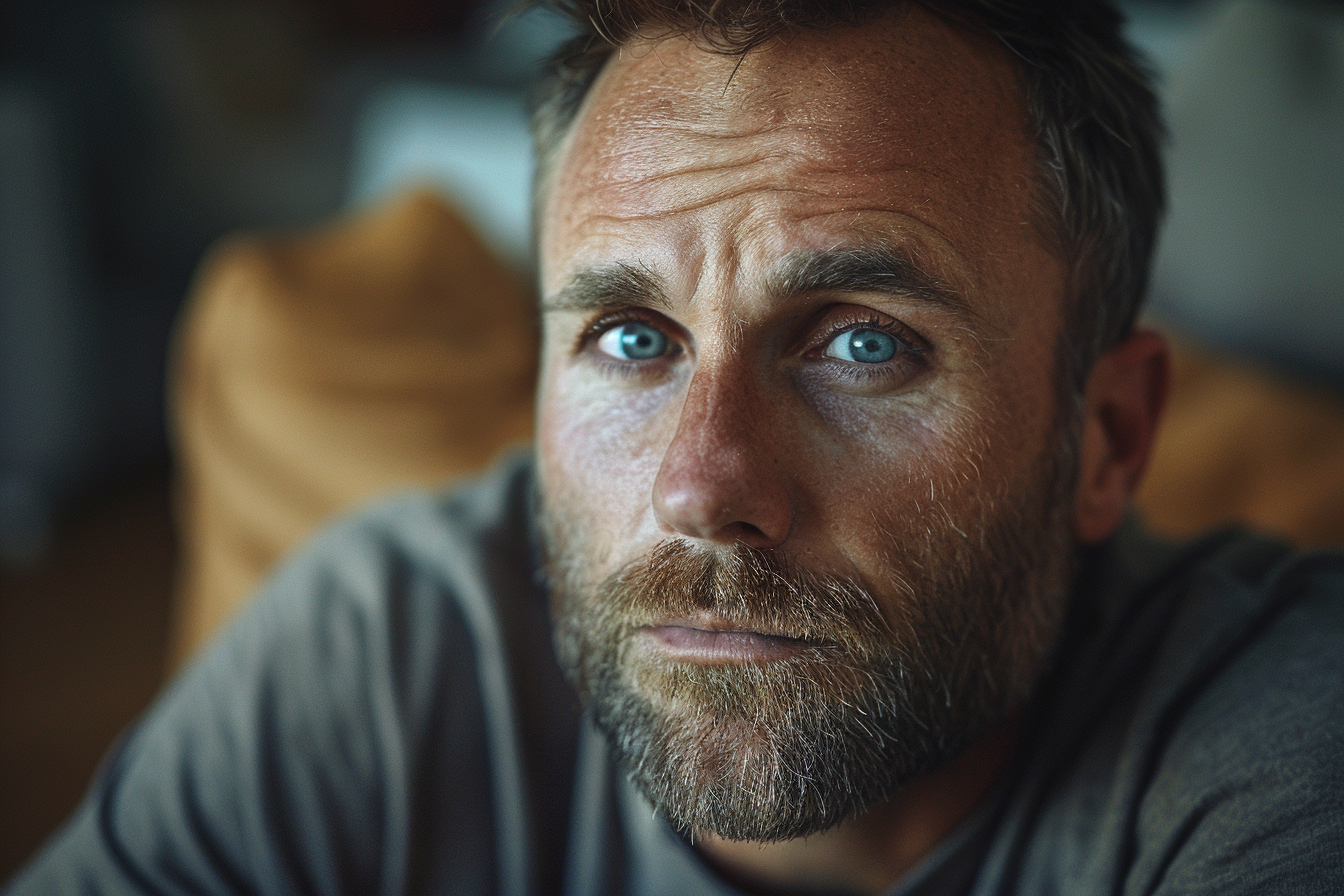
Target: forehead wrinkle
{"x": 694, "y": 168}
{"x": 645, "y": 196}
{"x": 803, "y": 151}
{"x": 611, "y": 165}
{"x": 701, "y": 202}
{"x": 698, "y": 125}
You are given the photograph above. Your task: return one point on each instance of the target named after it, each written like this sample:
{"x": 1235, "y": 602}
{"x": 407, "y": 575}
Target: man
{"x": 841, "y": 407}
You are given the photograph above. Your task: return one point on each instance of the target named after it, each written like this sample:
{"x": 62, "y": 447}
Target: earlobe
{"x": 1126, "y": 392}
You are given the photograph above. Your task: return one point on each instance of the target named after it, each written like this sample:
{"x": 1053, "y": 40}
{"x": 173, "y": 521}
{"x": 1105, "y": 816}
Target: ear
{"x": 1126, "y": 392}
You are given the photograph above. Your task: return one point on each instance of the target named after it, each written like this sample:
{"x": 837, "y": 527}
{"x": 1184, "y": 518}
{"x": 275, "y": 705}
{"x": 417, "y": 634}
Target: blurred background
{"x": 134, "y": 134}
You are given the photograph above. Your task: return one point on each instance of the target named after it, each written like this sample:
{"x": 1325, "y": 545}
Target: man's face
{"x": 804, "y": 492}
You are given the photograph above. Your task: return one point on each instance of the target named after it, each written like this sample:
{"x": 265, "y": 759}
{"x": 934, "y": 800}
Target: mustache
{"x": 747, "y": 589}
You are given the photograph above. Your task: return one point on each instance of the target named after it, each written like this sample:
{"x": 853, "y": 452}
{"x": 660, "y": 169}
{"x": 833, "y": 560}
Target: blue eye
{"x": 634, "y": 342}
{"x": 864, "y": 346}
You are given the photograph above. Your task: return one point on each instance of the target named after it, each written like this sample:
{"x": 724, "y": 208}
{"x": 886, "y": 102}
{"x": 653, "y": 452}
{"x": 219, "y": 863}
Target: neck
{"x": 871, "y": 852}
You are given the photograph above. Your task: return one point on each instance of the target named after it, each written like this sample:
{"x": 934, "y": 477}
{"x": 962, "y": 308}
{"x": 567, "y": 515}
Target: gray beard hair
{"x": 768, "y": 751}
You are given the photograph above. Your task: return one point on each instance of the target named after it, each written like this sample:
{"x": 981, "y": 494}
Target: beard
{"x": 885, "y": 679}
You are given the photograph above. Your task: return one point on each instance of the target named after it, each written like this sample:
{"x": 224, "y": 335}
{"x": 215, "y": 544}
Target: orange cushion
{"x": 315, "y": 371}
{"x": 1241, "y": 445}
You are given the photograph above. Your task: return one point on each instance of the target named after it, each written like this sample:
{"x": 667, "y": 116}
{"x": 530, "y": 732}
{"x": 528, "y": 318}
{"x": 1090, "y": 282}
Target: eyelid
{"x": 615, "y": 317}
{"x": 867, "y": 318}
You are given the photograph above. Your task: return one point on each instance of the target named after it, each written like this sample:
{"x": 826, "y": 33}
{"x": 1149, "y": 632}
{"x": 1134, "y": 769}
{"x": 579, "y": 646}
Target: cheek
{"x": 893, "y": 469}
{"x": 895, "y": 477}
{"x": 887, "y": 446}
{"x": 599, "y": 452}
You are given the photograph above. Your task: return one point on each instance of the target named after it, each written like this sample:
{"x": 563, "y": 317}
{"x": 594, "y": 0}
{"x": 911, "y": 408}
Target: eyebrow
{"x": 615, "y": 285}
{"x": 881, "y": 269}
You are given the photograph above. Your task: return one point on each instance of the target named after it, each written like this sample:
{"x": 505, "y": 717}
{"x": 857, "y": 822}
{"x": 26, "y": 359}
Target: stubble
{"x": 886, "y": 679}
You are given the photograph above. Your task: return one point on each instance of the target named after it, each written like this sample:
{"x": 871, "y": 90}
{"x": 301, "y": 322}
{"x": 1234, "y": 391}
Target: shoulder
{"x": 386, "y": 590}
{"x": 429, "y": 610}
{"x": 453, "y": 537}
{"x": 420, "y": 598}
{"x": 347, "y": 727}
{"x": 1251, "y": 662}
{"x": 1248, "y": 730}
{"x": 1191, "y": 742}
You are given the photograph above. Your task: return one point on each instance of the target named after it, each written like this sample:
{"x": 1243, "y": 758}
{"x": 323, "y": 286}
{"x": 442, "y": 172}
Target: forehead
{"x": 907, "y": 116}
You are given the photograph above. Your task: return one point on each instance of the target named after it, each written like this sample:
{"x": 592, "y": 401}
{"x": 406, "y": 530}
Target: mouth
{"x": 700, "y": 643}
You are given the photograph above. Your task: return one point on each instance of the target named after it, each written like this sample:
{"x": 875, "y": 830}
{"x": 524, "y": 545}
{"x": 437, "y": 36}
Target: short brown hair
{"x": 1088, "y": 95}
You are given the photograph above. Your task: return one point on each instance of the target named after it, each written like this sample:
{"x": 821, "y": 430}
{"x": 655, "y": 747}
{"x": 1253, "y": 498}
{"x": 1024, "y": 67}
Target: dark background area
{"x": 133, "y": 134}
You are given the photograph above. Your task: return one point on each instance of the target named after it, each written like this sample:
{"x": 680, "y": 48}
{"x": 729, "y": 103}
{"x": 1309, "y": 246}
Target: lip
{"x": 698, "y": 643}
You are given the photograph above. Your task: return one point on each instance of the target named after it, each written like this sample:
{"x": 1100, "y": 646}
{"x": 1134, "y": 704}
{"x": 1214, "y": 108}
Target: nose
{"x": 721, "y": 479}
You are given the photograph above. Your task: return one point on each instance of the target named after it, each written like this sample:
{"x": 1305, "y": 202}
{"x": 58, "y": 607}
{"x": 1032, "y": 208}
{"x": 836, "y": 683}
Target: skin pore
{"x": 799, "y": 301}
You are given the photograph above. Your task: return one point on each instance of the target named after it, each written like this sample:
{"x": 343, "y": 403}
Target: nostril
{"x": 746, "y": 532}
{"x": 749, "y": 535}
